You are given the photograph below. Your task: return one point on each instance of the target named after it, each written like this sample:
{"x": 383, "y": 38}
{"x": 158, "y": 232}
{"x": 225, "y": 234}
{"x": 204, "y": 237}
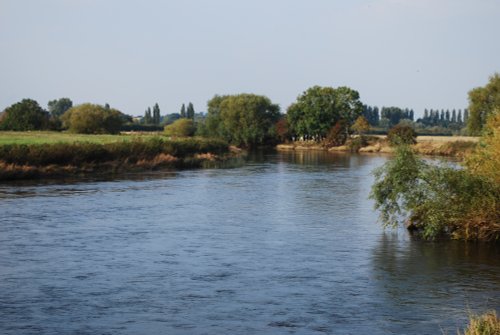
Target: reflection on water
{"x": 446, "y": 280}
{"x": 286, "y": 243}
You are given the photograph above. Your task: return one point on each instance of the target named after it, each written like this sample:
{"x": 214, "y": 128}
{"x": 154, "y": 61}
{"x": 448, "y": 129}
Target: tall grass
{"x": 485, "y": 324}
{"x": 27, "y": 160}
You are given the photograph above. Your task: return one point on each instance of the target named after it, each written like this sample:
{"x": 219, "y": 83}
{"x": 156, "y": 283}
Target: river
{"x": 287, "y": 243}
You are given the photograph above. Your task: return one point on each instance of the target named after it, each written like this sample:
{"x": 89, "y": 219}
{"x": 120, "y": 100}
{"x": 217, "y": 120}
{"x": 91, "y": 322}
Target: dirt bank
{"x": 453, "y": 146}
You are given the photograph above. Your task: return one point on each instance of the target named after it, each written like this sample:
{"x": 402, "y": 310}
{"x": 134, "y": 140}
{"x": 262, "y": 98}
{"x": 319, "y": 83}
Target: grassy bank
{"x": 49, "y": 137}
{"x": 104, "y": 154}
{"x": 452, "y": 146}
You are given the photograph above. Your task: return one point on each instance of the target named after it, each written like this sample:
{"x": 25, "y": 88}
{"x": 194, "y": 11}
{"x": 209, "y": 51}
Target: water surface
{"x": 286, "y": 244}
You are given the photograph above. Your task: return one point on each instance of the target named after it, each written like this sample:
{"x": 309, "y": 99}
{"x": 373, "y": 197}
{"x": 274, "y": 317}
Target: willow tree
{"x": 482, "y": 102}
{"x": 242, "y": 119}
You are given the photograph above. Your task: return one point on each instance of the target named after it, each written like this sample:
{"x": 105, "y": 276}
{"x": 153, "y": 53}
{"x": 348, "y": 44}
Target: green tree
{"x": 394, "y": 115}
{"x": 482, "y": 102}
{"x": 25, "y": 115}
{"x": 183, "y": 111}
{"x": 243, "y": 119}
{"x": 93, "y": 119}
{"x": 213, "y": 125}
{"x": 318, "y": 109}
{"x": 182, "y": 127}
{"x": 190, "y": 111}
{"x": 59, "y": 106}
{"x": 148, "y": 118}
{"x": 348, "y": 105}
{"x": 156, "y": 114}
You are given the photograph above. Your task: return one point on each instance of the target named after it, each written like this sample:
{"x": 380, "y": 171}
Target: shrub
{"x": 402, "y": 134}
{"x": 181, "y": 127}
{"x": 92, "y": 119}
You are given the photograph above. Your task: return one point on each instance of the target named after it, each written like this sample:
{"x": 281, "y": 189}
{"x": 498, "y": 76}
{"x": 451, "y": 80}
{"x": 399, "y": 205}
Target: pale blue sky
{"x": 132, "y": 53}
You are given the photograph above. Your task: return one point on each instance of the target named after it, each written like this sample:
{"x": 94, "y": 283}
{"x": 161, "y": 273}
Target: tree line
{"x": 318, "y": 114}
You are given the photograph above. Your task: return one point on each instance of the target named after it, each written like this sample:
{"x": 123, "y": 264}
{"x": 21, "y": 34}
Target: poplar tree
{"x": 183, "y": 111}
{"x": 190, "y": 111}
{"x": 148, "y": 119}
{"x": 156, "y": 114}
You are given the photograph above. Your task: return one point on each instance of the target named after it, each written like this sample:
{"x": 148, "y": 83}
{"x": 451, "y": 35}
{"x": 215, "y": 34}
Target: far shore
{"x": 452, "y": 146}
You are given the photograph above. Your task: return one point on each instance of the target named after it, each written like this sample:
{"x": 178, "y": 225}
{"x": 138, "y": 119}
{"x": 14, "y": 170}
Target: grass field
{"x": 48, "y": 137}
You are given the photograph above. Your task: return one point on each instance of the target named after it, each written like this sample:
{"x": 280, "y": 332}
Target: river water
{"x": 287, "y": 243}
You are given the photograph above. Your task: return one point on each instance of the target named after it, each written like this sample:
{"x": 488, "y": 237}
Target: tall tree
{"x": 59, "y": 106}
{"x": 190, "y": 111}
{"x": 148, "y": 119}
{"x": 183, "y": 111}
{"x": 156, "y": 114}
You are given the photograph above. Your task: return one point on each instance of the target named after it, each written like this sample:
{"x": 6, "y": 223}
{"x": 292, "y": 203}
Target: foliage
{"x": 282, "y": 129}
{"x": 170, "y": 118}
{"x": 394, "y": 115}
{"x": 444, "y": 120}
{"x": 371, "y": 114}
{"x": 243, "y": 119}
{"x": 58, "y": 107}
{"x": 486, "y": 159}
{"x": 190, "y": 111}
{"x": 402, "y": 134}
{"x": 25, "y": 115}
{"x": 436, "y": 200}
{"x": 482, "y": 103}
{"x": 92, "y": 119}
{"x": 485, "y": 324}
{"x": 361, "y": 125}
{"x": 336, "y": 135}
{"x": 156, "y": 114}
{"x": 183, "y": 111}
{"x": 148, "y": 118}
{"x": 181, "y": 127}
{"x": 318, "y": 109}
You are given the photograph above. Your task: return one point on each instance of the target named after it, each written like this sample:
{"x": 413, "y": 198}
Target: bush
{"x": 25, "y": 115}
{"x": 402, "y": 134}
{"x": 181, "y": 127}
{"x": 92, "y": 119}
{"x": 436, "y": 200}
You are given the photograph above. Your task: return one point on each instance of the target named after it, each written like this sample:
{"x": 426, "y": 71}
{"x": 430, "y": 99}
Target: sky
{"x": 134, "y": 53}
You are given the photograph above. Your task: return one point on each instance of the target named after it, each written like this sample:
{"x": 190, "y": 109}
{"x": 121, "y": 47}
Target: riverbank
{"x": 40, "y": 160}
{"x": 451, "y": 146}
